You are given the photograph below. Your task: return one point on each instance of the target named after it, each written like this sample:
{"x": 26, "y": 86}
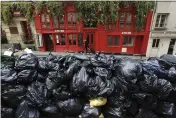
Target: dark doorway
{"x": 48, "y": 42}
{"x": 171, "y": 46}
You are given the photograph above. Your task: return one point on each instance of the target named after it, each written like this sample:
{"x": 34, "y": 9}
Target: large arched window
{"x": 45, "y": 20}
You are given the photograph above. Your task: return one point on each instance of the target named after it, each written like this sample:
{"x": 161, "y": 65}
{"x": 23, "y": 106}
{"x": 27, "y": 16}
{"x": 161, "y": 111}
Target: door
{"x": 171, "y": 46}
{"x": 48, "y": 42}
{"x": 90, "y": 39}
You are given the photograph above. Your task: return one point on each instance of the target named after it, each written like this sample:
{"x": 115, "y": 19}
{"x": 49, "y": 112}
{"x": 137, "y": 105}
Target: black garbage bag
{"x": 42, "y": 64}
{"x": 79, "y": 83}
{"x": 145, "y": 100}
{"x": 49, "y": 63}
{"x": 41, "y": 76}
{"x": 37, "y": 94}
{"x": 159, "y": 87}
{"x": 129, "y": 69}
{"x": 8, "y": 75}
{"x": 68, "y": 60}
{"x": 26, "y": 76}
{"x": 73, "y": 68}
{"x": 62, "y": 93}
{"x": 55, "y": 79}
{"x": 153, "y": 66}
{"x": 49, "y": 110}
{"x": 166, "y": 108}
{"x": 172, "y": 75}
{"x": 103, "y": 72}
{"x": 144, "y": 113}
{"x": 26, "y": 61}
{"x": 8, "y": 61}
{"x": 172, "y": 96}
{"x": 13, "y": 94}
{"x": 70, "y": 107}
{"x": 116, "y": 107}
{"x": 99, "y": 87}
{"x": 90, "y": 111}
{"x": 169, "y": 58}
{"x": 7, "y": 112}
{"x": 26, "y": 111}
{"x": 98, "y": 63}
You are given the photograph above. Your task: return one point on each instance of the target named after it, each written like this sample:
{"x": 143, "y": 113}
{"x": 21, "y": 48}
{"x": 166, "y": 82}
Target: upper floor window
{"x": 58, "y": 22}
{"x": 13, "y": 30}
{"x": 161, "y": 20}
{"x": 125, "y": 20}
{"x": 71, "y": 19}
{"x": 113, "y": 40}
{"x": 45, "y": 19}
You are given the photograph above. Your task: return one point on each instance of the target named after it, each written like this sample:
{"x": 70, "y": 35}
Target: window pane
{"x": 70, "y": 39}
{"x": 48, "y": 21}
{"x": 80, "y": 39}
{"x": 154, "y": 41}
{"x": 116, "y": 40}
{"x": 125, "y": 41}
{"x": 91, "y": 39}
{"x": 128, "y": 41}
{"x": 58, "y": 39}
{"x": 69, "y": 16}
{"x": 40, "y": 42}
{"x": 61, "y": 21}
{"x": 62, "y": 39}
{"x": 55, "y": 22}
{"x": 74, "y": 39}
{"x": 157, "y": 42}
{"x": 122, "y": 20}
{"x": 128, "y": 22}
{"x": 110, "y": 42}
{"x": 13, "y": 30}
{"x": 157, "y": 20}
{"x": 74, "y": 18}
{"x": 43, "y": 21}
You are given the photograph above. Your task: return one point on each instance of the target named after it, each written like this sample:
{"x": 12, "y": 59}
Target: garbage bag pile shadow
{"x": 88, "y": 86}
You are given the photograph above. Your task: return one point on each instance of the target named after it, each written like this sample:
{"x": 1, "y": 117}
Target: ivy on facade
{"x": 91, "y": 12}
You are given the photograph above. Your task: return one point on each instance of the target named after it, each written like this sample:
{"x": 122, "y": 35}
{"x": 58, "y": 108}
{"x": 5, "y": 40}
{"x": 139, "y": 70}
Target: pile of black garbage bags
{"x": 88, "y": 86}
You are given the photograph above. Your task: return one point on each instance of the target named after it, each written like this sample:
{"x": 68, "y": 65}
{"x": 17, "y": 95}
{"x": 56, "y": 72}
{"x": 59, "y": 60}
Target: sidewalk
{"x": 39, "y": 53}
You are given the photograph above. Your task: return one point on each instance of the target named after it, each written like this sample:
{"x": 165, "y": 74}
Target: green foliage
{"x": 97, "y": 12}
{"x": 91, "y": 12}
{"x": 142, "y": 8}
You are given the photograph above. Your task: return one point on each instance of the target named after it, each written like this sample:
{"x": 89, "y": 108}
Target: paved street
{"x": 39, "y": 53}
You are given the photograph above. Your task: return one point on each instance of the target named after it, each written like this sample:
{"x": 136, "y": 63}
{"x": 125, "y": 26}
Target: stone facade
{"x": 165, "y": 34}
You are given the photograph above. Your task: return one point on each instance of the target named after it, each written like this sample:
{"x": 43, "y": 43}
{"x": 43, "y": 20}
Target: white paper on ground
{"x": 28, "y": 50}
{"x": 8, "y": 53}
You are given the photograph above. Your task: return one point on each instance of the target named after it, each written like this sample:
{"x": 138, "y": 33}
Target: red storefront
{"x": 67, "y": 34}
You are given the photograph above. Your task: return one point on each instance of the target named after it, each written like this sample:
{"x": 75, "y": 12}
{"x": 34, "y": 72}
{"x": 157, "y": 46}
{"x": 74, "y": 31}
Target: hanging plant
{"x": 91, "y": 13}
{"x": 142, "y": 8}
{"x": 6, "y": 12}
{"x": 97, "y": 12}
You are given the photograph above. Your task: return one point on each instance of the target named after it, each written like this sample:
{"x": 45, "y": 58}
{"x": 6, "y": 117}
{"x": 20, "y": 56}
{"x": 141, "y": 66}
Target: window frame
{"x": 125, "y": 26}
{"x": 155, "y": 43}
{"x": 58, "y": 22}
{"x": 113, "y": 41}
{"x": 159, "y": 22}
{"x": 11, "y": 32}
{"x": 131, "y": 45}
{"x": 60, "y": 39}
{"x": 45, "y": 20}
{"x": 72, "y": 39}
{"x": 72, "y": 24}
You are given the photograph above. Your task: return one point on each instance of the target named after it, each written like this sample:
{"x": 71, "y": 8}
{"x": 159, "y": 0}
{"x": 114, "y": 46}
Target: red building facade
{"x": 66, "y": 33}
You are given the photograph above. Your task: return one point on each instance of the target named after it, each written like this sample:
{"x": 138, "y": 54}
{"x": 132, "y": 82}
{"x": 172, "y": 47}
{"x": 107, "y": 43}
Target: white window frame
{"x": 159, "y": 22}
{"x": 155, "y": 45}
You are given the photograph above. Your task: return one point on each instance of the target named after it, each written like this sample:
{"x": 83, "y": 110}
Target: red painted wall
{"x": 100, "y": 34}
